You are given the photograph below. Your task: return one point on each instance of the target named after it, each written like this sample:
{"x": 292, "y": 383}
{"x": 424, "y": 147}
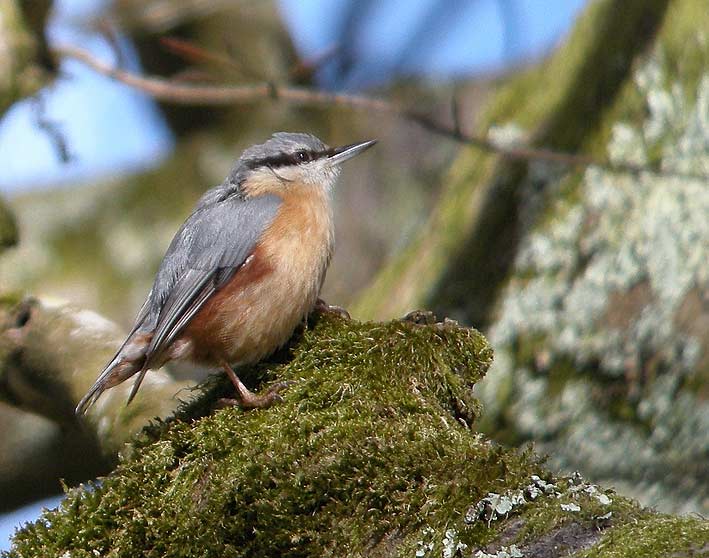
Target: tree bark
{"x": 463, "y": 254}
{"x": 591, "y": 284}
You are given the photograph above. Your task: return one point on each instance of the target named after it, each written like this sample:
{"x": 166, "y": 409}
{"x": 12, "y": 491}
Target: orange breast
{"x": 207, "y": 330}
{"x": 258, "y": 309}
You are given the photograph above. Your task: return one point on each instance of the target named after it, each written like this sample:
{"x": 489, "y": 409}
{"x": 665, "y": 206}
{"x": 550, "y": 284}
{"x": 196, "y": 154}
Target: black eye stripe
{"x": 286, "y": 159}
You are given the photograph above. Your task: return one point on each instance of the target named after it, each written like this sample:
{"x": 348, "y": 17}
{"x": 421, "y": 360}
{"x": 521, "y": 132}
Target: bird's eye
{"x": 302, "y": 156}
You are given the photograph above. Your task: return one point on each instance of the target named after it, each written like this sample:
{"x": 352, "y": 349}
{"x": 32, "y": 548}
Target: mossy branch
{"x": 370, "y": 454}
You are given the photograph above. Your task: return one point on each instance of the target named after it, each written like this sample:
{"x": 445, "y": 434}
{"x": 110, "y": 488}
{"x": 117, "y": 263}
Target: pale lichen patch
{"x": 593, "y": 350}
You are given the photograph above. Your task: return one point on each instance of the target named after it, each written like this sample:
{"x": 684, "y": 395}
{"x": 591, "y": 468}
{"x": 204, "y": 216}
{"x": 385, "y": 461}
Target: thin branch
{"x": 170, "y": 91}
{"x": 191, "y": 94}
{"x": 51, "y": 128}
{"x": 195, "y": 54}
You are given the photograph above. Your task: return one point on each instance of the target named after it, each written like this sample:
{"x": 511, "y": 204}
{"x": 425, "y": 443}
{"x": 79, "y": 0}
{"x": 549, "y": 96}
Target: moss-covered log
{"x": 370, "y": 454}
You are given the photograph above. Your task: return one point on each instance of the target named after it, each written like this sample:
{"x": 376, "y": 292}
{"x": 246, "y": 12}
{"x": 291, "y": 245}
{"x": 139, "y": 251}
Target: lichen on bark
{"x": 613, "y": 274}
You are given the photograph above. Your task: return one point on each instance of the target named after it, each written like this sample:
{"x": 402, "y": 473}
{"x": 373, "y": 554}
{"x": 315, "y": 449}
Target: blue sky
{"x": 475, "y": 36}
{"x": 111, "y": 128}
{"x": 11, "y": 521}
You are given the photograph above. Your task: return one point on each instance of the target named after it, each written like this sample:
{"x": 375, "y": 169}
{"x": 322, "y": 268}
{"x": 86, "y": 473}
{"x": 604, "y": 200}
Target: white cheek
{"x": 290, "y": 174}
{"x": 327, "y": 175}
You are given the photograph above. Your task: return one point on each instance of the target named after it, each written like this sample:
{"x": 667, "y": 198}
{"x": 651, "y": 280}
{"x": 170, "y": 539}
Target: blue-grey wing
{"x": 206, "y": 252}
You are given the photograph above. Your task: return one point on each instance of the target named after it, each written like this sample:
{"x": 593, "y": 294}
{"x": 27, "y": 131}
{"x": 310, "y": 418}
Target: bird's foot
{"x": 322, "y": 306}
{"x": 247, "y": 399}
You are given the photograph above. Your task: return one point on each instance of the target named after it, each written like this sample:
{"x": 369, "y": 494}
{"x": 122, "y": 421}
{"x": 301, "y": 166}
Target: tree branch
{"x": 50, "y": 353}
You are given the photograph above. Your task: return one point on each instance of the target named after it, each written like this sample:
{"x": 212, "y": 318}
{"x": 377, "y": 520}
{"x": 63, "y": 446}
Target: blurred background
{"x": 591, "y": 284}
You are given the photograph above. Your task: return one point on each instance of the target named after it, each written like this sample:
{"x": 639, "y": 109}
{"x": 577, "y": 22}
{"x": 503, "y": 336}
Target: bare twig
{"x": 195, "y": 54}
{"x": 51, "y": 129}
{"x": 108, "y": 33}
{"x": 193, "y": 94}
{"x": 205, "y": 94}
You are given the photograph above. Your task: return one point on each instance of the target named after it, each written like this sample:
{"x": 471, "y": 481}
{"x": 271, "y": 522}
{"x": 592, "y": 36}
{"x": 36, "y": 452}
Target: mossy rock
{"x": 372, "y": 452}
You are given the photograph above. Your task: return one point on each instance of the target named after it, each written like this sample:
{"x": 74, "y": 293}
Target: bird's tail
{"x": 128, "y": 361}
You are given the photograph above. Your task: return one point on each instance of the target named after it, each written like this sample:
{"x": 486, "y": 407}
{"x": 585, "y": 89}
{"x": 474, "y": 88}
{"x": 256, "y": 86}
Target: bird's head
{"x": 288, "y": 159}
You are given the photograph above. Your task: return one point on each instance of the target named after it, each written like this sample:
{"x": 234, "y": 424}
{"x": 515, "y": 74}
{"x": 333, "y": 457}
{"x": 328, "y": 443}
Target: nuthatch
{"x": 244, "y": 269}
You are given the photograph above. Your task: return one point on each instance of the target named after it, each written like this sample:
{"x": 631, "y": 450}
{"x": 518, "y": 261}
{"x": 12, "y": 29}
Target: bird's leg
{"x": 322, "y": 306}
{"x": 247, "y": 399}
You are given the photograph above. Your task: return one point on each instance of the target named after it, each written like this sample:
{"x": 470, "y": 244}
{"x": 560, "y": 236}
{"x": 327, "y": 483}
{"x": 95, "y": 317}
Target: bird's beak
{"x": 339, "y": 155}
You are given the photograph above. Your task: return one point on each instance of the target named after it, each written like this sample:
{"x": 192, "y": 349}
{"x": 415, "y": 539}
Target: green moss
{"x": 370, "y": 453}
{"x": 547, "y": 515}
{"x": 370, "y": 443}
{"x": 658, "y": 536}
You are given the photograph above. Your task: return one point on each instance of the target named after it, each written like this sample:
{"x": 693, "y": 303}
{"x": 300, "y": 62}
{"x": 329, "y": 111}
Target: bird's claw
{"x": 247, "y": 400}
{"x": 322, "y": 306}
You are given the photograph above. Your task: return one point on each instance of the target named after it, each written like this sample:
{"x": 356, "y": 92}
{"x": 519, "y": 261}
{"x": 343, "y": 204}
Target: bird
{"x": 243, "y": 271}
